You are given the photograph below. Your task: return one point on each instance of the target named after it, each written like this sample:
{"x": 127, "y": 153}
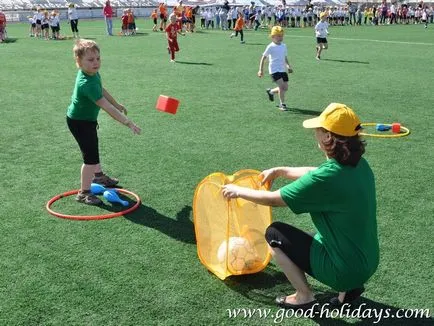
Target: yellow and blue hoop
{"x": 404, "y": 131}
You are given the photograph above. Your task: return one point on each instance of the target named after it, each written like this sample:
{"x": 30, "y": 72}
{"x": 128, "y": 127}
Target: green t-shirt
{"x": 87, "y": 90}
{"x": 342, "y": 203}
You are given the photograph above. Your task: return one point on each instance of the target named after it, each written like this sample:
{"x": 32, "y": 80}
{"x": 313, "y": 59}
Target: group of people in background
{"x": 45, "y": 24}
{"x": 43, "y": 21}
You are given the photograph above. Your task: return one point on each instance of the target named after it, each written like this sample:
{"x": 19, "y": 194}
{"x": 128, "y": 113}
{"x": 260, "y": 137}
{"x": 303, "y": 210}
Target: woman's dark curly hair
{"x": 345, "y": 150}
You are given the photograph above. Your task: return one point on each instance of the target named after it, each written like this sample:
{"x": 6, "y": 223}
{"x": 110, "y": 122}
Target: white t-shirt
{"x": 321, "y": 29}
{"x": 72, "y": 13}
{"x": 276, "y": 54}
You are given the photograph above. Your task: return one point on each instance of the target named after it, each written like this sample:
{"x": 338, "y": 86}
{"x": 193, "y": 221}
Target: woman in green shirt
{"x": 340, "y": 197}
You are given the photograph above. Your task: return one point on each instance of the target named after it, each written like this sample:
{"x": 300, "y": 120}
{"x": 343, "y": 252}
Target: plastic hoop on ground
{"x": 91, "y": 217}
{"x": 405, "y": 133}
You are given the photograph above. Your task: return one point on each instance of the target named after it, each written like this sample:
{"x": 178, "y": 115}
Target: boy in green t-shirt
{"x": 87, "y": 99}
{"x": 340, "y": 197}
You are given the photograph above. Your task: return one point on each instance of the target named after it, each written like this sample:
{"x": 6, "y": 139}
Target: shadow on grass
{"x": 10, "y": 40}
{"x": 257, "y": 287}
{"x": 194, "y": 63}
{"x": 347, "y": 61}
{"x": 179, "y": 227}
{"x": 255, "y": 44}
{"x": 304, "y": 111}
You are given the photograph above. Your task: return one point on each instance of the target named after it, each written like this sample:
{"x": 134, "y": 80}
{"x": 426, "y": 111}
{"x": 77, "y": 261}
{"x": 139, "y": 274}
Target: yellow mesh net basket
{"x": 230, "y": 233}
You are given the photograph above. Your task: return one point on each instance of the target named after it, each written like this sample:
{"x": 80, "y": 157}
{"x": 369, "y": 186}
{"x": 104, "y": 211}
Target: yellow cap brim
{"x": 312, "y": 123}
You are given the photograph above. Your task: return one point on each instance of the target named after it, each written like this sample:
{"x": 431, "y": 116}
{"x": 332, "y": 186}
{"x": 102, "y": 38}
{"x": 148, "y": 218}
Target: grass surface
{"x": 142, "y": 269}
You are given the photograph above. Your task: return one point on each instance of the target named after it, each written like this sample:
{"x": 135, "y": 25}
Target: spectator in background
{"x": 73, "y": 20}
{"x": 108, "y": 14}
{"x": 2, "y": 27}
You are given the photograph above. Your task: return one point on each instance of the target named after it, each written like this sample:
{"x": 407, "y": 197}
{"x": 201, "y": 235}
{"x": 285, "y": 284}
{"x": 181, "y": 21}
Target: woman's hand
{"x": 134, "y": 128}
{"x": 122, "y": 109}
{"x": 231, "y": 191}
{"x": 268, "y": 176}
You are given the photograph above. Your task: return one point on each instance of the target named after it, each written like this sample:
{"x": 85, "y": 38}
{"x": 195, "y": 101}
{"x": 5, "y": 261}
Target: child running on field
{"x": 278, "y": 66}
{"x": 239, "y": 25}
{"x": 321, "y": 32}
{"x": 154, "y": 17}
{"x": 172, "y": 31}
{"x": 88, "y": 97}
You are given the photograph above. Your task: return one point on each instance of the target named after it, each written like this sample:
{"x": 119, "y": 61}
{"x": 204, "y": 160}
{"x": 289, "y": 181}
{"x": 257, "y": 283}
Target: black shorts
{"x": 38, "y": 22}
{"x": 162, "y": 16}
{"x": 155, "y": 21}
{"x": 44, "y": 26}
{"x": 294, "y": 242}
{"x": 321, "y": 40}
{"x": 279, "y": 75}
{"x": 85, "y": 133}
{"x": 33, "y": 24}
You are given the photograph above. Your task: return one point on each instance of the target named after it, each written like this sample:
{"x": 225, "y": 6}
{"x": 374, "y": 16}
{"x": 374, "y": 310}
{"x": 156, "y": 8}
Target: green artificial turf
{"x": 143, "y": 269}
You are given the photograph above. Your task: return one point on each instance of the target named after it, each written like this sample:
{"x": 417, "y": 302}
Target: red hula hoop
{"x": 91, "y": 217}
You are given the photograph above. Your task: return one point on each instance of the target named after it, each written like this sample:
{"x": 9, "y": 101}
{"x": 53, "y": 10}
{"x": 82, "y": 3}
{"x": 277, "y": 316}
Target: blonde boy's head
{"x": 82, "y": 46}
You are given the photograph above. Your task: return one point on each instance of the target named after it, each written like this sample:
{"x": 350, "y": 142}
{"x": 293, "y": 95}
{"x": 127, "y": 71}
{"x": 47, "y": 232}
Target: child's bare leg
{"x": 318, "y": 50}
{"x": 87, "y": 174}
{"x": 283, "y": 87}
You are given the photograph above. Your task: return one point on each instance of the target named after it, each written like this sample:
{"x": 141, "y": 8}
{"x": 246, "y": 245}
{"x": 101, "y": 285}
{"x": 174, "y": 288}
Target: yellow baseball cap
{"x": 276, "y": 30}
{"x": 336, "y": 118}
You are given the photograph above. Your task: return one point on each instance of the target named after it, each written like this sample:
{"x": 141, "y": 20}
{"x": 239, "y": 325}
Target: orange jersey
{"x": 154, "y": 15}
{"x": 239, "y": 24}
{"x": 188, "y": 12}
{"x": 163, "y": 9}
{"x": 130, "y": 18}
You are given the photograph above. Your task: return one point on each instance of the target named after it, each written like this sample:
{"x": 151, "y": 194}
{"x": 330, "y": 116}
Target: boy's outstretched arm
{"x": 104, "y": 104}
{"x": 111, "y": 99}
{"x": 261, "y": 67}
{"x": 288, "y": 66}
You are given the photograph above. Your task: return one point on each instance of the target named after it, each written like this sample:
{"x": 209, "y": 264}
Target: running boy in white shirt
{"x": 321, "y": 32}
{"x": 278, "y": 66}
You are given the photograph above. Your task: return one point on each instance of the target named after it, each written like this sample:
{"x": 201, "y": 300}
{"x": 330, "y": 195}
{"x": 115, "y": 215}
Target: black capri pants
{"x": 294, "y": 242}
{"x": 85, "y": 133}
{"x": 74, "y": 25}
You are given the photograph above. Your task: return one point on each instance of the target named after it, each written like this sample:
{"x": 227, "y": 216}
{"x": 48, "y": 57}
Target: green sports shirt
{"x": 342, "y": 203}
{"x": 87, "y": 90}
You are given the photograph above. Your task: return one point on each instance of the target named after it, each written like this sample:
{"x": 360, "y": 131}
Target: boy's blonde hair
{"x": 82, "y": 46}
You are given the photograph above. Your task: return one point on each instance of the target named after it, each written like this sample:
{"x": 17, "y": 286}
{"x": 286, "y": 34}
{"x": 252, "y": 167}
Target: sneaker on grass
{"x": 87, "y": 198}
{"x": 105, "y": 181}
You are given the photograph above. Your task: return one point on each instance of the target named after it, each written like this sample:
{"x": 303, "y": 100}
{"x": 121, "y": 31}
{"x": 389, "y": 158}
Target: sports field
{"x": 142, "y": 268}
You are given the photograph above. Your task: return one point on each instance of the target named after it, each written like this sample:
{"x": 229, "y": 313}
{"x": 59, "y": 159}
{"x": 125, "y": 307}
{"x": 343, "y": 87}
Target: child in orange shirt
{"x": 163, "y": 15}
{"x": 131, "y": 22}
{"x": 154, "y": 16}
{"x": 239, "y": 24}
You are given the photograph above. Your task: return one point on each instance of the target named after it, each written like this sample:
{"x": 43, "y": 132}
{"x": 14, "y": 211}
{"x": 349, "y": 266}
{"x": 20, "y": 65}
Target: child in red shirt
{"x": 2, "y": 27}
{"x": 124, "y": 19}
{"x": 172, "y": 31}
